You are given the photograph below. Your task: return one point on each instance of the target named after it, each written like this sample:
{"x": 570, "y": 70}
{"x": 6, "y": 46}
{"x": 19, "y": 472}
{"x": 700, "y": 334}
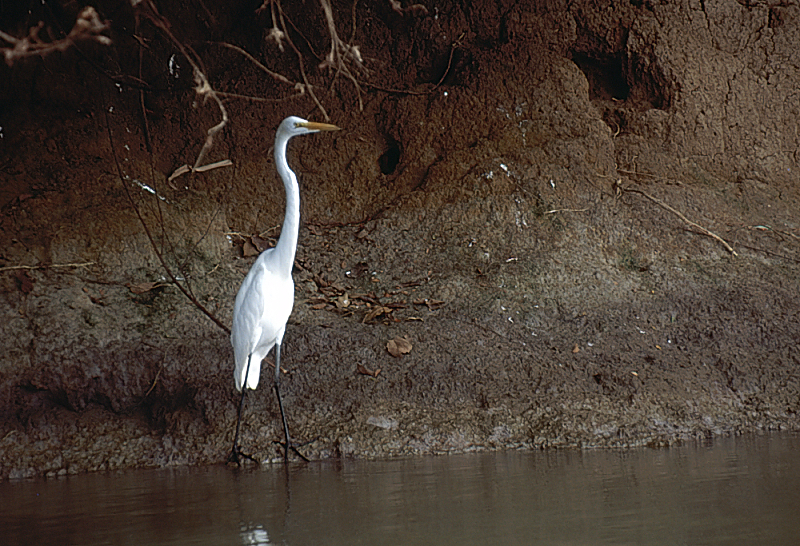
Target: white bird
{"x": 266, "y": 297}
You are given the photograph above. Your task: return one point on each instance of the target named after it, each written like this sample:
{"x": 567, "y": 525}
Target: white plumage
{"x": 263, "y": 306}
{"x": 266, "y": 297}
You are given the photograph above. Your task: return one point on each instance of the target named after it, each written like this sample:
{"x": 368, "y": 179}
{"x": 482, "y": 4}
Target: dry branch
{"x": 275, "y": 34}
{"x": 340, "y": 52}
{"x": 183, "y": 169}
{"x": 203, "y": 87}
{"x": 88, "y": 27}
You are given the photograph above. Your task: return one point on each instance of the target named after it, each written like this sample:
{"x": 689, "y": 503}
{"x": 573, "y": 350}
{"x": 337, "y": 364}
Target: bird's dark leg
{"x": 235, "y": 452}
{"x": 288, "y": 445}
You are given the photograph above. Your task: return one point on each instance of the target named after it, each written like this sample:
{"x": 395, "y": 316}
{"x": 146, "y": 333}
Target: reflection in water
{"x": 738, "y": 491}
{"x": 256, "y": 537}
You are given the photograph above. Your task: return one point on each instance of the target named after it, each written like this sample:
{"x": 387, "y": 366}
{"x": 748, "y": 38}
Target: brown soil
{"x": 524, "y": 198}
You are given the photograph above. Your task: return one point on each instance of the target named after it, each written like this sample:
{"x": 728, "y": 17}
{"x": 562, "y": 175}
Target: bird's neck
{"x": 287, "y": 242}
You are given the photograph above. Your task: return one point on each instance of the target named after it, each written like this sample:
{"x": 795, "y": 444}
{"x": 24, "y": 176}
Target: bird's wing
{"x": 263, "y": 306}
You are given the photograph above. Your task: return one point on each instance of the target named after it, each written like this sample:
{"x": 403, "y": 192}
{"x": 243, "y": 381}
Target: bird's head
{"x": 294, "y": 126}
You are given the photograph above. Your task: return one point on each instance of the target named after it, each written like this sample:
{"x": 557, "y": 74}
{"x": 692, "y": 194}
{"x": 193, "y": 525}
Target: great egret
{"x": 266, "y": 296}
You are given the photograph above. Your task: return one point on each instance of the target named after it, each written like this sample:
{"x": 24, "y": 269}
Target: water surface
{"x": 735, "y": 491}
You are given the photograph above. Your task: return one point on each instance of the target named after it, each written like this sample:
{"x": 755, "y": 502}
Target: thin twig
{"x": 45, "y": 266}
{"x": 155, "y": 380}
{"x": 353, "y": 23}
{"x": 299, "y": 86}
{"x": 280, "y": 77}
{"x": 165, "y": 239}
{"x": 773, "y": 230}
{"x": 554, "y": 211}
{"x": 695, "y": 225}
{"x": 183, "y": 169}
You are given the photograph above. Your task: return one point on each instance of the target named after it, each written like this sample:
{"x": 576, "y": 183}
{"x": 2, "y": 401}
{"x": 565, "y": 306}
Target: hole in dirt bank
{"x": 605, "y": 75}
{"x": 389, "y": 159}
{"x": 649, "y": 87}
{"x": 636, "y": 80}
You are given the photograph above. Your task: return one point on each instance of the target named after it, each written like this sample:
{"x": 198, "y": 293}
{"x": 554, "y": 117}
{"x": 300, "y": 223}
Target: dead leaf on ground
{"x": 249, "y": 249}
{"x": 342, "y": 302}
{"x": 363, "y": 370}
{"x": 399, "y": 346}
{"x": 576, "y": 349}
{"x": 370, "y": 298}
{"x": 375, "y": 312}
{"x": 260, "y": 243}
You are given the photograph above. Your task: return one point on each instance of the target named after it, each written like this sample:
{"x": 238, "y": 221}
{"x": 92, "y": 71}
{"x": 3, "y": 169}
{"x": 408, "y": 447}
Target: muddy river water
{"x": 743, "y": 490}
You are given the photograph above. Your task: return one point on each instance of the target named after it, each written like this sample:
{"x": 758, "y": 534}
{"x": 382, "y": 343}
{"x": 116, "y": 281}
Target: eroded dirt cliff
{"x": 582, "y": 216}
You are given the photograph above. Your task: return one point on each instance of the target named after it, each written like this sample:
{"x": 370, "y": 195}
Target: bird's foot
{"x": 236, "y": 457}
{"x": 293, "y": 447}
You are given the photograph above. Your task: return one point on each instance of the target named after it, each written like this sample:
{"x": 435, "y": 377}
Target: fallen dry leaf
{"x": 375, "y": 312}
{"x": 342, "y": 302}
{"x": 141, "y": 287}
{"x": 363, "y": 370}
{"x": 249, "y": 249}
{"x": 260, "y": 243}
{"x": 576, "y": 349}
{"x": 399, "y": 346}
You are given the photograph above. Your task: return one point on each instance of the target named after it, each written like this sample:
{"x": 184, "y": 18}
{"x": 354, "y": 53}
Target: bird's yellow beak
{"x": 316, "y": 126}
